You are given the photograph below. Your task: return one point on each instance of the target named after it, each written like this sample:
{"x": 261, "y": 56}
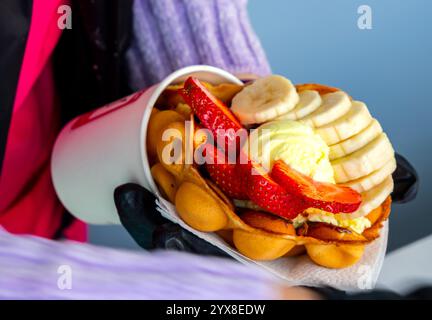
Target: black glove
{"x": 406, "y": 181}
{"x": 136, "y": 207}
{"x": 420, "y": 293}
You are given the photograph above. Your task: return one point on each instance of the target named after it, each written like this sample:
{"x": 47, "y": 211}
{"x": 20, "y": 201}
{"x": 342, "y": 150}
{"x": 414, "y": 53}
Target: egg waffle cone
{"x": 322, "y": 89}
{"x": 203, "y": 206}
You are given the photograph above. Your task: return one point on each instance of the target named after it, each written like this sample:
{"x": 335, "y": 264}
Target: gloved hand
{"x": 136, "y": 207}
{"x": 406, "y": 181}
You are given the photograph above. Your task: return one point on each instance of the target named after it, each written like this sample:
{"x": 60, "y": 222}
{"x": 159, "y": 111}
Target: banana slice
{"x": 309, "y": 101}
{"x": 334, "y": 105}
{"x": 368, "y": 182}
{"x": 356, "y": 142}
{"x": 351, "y": 123}
{"x": 372, "y": 199}
{"x": 364, "y": 161}
{"x": 265, "y": 99}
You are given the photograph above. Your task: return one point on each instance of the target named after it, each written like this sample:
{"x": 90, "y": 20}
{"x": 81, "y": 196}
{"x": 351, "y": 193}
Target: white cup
{"x": 105, "y": 148}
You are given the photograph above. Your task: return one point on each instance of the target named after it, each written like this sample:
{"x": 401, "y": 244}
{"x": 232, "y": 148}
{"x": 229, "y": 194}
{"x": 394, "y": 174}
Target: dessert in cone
{"x": 320, "y": 187}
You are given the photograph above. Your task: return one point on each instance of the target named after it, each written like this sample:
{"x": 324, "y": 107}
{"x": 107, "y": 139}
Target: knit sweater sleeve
{"x": 170, "y": 34}
{"x": 37, "y": 268}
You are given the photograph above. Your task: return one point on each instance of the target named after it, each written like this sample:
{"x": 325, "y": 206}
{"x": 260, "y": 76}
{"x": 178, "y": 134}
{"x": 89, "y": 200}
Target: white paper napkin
{"x": 301, "y": 270}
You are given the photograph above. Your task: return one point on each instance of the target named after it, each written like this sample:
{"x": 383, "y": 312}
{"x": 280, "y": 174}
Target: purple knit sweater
{"x": 170, "y": 34}
{"x": 37, "y": 268}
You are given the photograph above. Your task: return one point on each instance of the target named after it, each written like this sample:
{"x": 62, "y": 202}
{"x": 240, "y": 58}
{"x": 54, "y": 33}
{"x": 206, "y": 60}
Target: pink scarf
{"x": 28, "y": 203}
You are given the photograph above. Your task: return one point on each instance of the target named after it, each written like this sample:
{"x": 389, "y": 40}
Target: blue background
{"x": 388, "y": 67}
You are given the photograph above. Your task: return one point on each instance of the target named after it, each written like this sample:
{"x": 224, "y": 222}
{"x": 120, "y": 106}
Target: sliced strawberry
{"x": 213, "y": 113}
{"x": 322, "y": 195}
{"x": 226, "y": 175}
{"x": 269, "y": 195}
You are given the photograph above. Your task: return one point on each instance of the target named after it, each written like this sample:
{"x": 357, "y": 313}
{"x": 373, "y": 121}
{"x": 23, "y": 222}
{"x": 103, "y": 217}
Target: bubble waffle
{"x": 256, "y": 234}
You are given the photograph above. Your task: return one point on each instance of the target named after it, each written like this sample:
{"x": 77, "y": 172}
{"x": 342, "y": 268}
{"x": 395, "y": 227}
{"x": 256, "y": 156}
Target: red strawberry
{"x": 269, "y": 195}
{"x": 226, "y": 175}
{"x": 322, "y": 195}
{"x": 213, "y": 113}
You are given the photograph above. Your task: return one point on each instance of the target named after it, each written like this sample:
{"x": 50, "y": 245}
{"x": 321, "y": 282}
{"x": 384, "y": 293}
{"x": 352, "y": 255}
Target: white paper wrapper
{"x": 301, "y": 270}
